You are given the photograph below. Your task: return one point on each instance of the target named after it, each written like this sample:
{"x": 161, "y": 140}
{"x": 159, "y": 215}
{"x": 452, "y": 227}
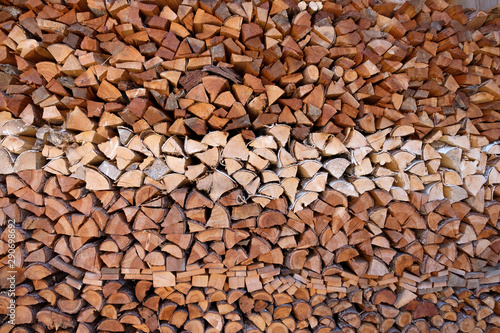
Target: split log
{"x": 250, "y": 166}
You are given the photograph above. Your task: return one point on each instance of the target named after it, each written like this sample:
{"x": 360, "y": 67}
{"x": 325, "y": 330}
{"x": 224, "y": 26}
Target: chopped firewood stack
{"x": 281, "y": 166}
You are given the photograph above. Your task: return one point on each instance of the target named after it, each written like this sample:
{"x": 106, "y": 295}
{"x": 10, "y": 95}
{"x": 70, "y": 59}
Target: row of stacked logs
{"x": 209, "y": 166}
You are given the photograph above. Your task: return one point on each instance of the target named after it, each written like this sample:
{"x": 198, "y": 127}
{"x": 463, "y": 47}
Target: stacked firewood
{"x": 209, "y": 166}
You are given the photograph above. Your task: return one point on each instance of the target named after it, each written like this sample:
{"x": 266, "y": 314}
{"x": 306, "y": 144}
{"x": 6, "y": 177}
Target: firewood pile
{"x": 282, "y": 166}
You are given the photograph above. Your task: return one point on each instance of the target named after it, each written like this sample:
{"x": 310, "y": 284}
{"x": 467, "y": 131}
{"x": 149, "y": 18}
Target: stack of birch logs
{"x": 225, "y": 166}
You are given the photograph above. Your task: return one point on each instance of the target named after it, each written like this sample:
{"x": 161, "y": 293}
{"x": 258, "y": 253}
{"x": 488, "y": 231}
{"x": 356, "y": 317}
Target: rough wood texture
{"x": 209, "y": 166}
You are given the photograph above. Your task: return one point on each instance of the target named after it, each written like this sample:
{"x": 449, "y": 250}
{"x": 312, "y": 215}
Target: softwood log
{"x": 210, "y": 166}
